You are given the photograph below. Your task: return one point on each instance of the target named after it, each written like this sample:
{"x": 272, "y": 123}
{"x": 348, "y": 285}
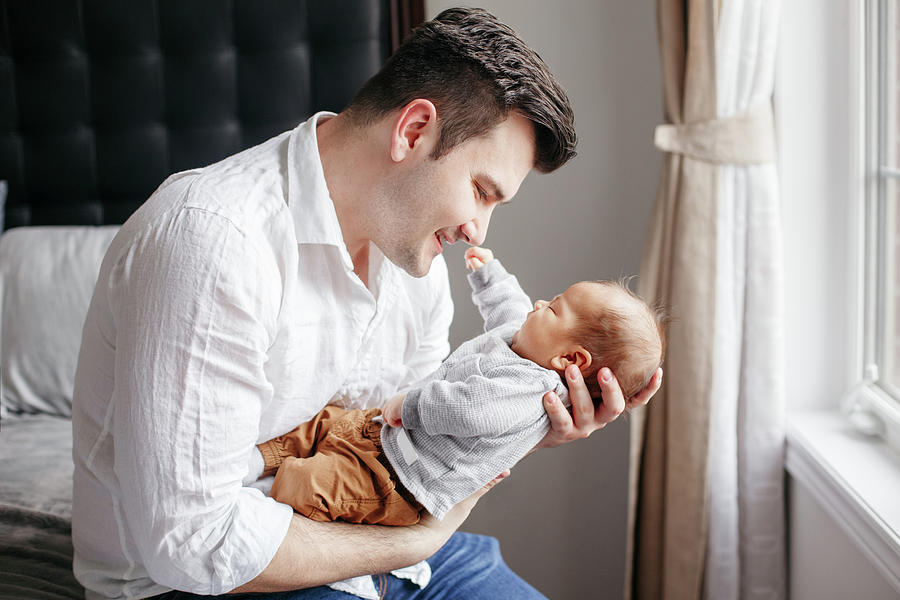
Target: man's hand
{"x": 477, "y": 257}
{"x": 584, "y": 418}
{"x": 392, "y": 413}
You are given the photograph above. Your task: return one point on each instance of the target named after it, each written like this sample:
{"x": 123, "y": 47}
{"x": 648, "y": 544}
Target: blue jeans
{"x": 468, "y": 567}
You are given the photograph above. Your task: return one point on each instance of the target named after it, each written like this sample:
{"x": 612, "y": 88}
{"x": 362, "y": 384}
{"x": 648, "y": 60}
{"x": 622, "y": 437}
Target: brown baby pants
{"x": 333, "y": 468}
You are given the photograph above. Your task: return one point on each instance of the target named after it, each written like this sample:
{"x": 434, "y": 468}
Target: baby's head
{"x": 595, "y": 324}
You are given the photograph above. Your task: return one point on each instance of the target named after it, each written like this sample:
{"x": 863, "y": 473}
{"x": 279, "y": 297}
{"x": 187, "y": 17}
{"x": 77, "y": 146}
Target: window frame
{"x": 873, "y": 405}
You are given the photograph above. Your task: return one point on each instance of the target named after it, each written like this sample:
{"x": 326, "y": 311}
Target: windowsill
{"x": 857, "y": 481}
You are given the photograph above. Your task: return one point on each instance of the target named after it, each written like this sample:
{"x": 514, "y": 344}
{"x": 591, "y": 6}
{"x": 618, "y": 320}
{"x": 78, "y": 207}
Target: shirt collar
{"x": 315, "y": 220}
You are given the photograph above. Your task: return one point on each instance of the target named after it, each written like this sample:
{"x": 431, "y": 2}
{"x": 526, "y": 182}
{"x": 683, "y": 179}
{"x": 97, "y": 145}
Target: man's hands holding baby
{"x": 585, "y": 418}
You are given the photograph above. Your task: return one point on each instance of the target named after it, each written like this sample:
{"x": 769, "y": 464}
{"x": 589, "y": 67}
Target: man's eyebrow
{"x": 494, "y": 187}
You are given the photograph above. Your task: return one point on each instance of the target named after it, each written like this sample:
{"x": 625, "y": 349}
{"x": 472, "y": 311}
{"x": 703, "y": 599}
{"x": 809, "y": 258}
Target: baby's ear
{"x": 578, "y": 356}
{"x": 583, "y": 359}
{"x": 560, "y": 363}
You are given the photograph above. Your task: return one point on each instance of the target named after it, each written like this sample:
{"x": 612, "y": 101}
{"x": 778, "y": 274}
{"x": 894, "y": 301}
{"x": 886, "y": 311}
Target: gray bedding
{"x": 35, "y": 509}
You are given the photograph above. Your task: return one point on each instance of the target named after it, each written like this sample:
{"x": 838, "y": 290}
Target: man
{"x": 244, "y": 297}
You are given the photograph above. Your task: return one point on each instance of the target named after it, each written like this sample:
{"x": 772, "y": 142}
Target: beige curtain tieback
{"x": 747, "y": 138}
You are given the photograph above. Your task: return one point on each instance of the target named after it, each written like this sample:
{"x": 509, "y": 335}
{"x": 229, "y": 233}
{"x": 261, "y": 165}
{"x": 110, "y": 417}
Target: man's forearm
{"x": 314, "y": 553}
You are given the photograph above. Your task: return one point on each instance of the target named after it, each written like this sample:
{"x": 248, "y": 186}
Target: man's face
{"x": 452, "y": 198}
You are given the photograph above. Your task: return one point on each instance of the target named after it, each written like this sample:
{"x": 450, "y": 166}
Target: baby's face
{"x": 548, "y": 329}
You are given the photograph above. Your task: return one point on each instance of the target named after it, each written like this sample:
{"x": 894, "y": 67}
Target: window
{"x": 874, "y": 405}
{"x": 827, "y": 167}
{"x": 884, "y": 193}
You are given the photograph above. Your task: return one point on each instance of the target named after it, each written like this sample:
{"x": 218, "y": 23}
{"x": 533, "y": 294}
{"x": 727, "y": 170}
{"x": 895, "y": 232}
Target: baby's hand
{"x": 393, "y": 411}
{"x": 477, "y": 257}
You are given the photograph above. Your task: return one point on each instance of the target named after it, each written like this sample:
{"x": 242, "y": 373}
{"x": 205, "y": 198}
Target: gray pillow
{"x": 47, "y": 277}
{"x": 3, "y": 187}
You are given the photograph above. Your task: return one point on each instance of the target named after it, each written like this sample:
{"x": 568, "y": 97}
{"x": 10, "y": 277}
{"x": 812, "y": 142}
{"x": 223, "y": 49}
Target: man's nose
{"x": 471, "y": 233}
{"x": 476, "y": 229}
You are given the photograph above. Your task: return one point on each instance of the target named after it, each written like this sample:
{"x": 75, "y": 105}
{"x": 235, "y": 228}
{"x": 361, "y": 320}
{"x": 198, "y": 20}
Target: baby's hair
{"x": 629, "y": 340}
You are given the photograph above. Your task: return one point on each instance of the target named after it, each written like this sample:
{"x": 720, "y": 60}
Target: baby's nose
{"x": 540, "y": 304}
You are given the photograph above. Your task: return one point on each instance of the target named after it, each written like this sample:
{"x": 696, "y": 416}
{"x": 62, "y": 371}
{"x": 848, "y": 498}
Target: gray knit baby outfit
{"x": 480, "y": 412}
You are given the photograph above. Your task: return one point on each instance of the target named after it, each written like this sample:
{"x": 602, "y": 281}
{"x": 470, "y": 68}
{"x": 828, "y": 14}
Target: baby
{"x": 474, "y": 417}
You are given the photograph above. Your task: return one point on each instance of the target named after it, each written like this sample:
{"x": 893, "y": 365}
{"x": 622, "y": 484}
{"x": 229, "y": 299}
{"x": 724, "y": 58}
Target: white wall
{"x": 815, "y": 112}
{"x": 561, "y": 516}
{"x": 825, "y": 563}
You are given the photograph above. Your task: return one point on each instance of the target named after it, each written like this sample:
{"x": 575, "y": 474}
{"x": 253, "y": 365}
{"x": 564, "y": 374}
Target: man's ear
{"x": 414, "y": 130}
{"x": 578, "y": 356}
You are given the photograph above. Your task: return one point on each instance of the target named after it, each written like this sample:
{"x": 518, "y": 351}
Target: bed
{"x": 99, "y": 102}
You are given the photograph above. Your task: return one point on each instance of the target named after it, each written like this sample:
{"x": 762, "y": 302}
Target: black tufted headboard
{"x": 100, "y": 100}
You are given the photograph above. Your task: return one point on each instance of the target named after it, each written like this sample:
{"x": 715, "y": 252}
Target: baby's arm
{"x": 485, "y": 405}
{"x": 496, "y": 293}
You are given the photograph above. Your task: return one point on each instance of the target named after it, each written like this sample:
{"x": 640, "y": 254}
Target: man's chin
{"x": 418, "y": 273}
{"x": 415, "y": 265}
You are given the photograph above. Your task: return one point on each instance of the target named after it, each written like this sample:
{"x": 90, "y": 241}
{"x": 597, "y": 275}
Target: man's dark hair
{"x": 475, "y": 70}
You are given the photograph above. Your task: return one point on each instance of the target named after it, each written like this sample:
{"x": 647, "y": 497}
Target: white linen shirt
{"x": 225, "y": 314}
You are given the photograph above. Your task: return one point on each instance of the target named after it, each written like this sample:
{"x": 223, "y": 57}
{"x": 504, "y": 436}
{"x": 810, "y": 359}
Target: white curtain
{"x": 745, "y": 556}
{"x": 706, "y": 512}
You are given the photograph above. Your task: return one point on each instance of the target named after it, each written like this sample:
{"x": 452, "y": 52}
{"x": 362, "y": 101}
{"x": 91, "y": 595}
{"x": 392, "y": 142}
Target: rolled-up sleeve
{"x": 195, "y": 304}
